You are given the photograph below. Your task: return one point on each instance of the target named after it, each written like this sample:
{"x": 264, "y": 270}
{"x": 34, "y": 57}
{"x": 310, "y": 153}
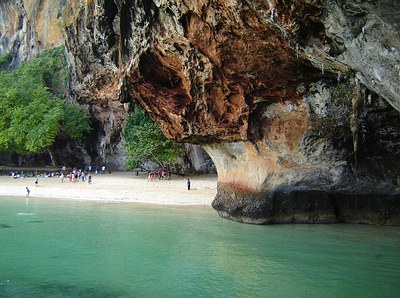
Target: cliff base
{"x": 298, "y": 206}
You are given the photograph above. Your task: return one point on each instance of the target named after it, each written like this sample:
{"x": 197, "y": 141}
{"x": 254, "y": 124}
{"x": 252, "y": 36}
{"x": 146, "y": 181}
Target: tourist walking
{"x": 188, "y": 184}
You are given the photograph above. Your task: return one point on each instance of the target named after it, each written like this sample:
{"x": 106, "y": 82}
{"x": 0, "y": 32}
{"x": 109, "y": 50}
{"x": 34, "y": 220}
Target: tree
{"x": 145, "y": 142}
{"x": 31, "y": 113}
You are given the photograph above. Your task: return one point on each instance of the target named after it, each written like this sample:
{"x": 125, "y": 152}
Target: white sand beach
{"x": 118, "y": 186}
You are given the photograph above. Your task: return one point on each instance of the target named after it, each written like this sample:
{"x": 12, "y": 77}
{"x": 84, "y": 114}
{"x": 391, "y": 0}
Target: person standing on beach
{"x": 27, "y": 191}
{"x": 36, "y": 181}
{"x": 188, "y": 184}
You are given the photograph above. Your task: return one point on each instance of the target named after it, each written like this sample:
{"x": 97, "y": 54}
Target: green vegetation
{"x": 5, "y": 61}
{"x": 32, "y": 111}
{"x": 145, "y": 142}
{"x": 342, "y": 94}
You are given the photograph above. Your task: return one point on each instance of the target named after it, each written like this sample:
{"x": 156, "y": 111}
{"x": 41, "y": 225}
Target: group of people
{"x": 74, "y": 176}
{"x": 160, "y": 174}
{"x": 77, "y": 175}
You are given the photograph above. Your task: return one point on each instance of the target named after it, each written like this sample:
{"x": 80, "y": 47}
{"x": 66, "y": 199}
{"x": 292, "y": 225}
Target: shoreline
{"x": 118, "y": 187}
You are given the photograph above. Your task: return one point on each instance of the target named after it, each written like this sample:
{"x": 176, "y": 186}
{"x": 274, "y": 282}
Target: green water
{"x": 82, "y": 249}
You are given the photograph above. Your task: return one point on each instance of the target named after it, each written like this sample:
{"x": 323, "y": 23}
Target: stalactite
{"x": 355, "y": 119}
{"x": 53, "y": 163}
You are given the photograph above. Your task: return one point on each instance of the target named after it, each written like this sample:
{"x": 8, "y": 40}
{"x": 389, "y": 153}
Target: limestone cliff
{"x": 297, "y": 102}
{"x": 28, "y": 27}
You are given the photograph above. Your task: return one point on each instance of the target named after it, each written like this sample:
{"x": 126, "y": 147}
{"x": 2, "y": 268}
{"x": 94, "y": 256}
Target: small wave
{"x": 25, "y": 214}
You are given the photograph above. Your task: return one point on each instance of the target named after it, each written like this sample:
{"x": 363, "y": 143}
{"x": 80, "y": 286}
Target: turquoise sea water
{"x": 55, "y": 248}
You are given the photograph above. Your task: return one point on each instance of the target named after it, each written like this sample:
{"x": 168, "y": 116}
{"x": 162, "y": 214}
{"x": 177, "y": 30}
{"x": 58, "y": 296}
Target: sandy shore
{"x": 118, "y": 186}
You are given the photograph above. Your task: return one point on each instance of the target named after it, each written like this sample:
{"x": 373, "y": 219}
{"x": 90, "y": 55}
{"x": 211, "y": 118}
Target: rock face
{"x": 28, "y": 27}
{"x": 296, "y": 102}
{"x": 200, "y": 160}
